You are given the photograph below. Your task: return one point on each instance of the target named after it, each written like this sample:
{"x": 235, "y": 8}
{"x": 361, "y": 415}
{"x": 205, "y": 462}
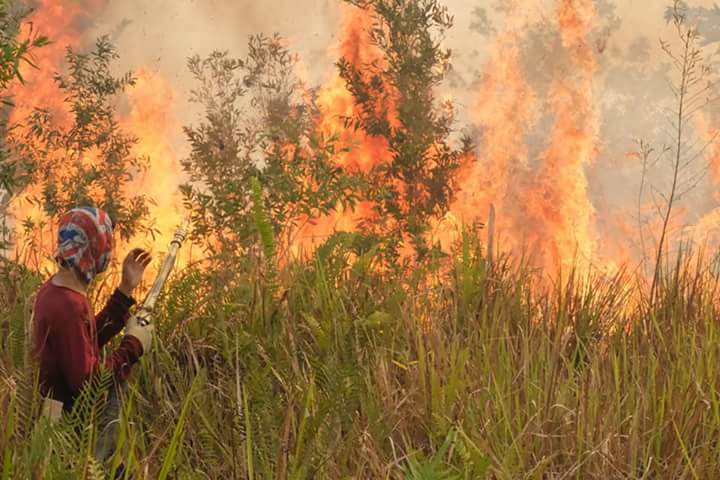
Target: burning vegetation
{"x": 383, "y": 278}
{"x": 377, "y": 140}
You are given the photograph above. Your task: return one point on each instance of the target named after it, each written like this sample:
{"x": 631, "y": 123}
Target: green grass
{"x": 332, "y": 370}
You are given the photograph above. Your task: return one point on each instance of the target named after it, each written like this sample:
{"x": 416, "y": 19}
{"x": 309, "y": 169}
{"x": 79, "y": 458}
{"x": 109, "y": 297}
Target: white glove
{"x": 144, "y": 333}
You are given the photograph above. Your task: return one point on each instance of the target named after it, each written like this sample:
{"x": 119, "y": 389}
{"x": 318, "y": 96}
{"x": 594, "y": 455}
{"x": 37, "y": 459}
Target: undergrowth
{"x": 328, "y": 368}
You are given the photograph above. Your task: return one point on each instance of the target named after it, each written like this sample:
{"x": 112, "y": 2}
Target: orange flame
{"x": 706, "y": 228}
{"x": 542, "y": 200}
{"x": 505, "y": 111}
{"x": 336, "y": 104}
{"x": 150, "y": 118}
{"x": 546, "y": 210}
{"x": 60, "y": 21}
{"x": 558, "y": 211}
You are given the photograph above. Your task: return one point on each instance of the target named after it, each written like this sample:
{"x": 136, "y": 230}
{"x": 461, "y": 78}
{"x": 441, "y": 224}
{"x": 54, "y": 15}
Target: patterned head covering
{"x": 85, "y": 240}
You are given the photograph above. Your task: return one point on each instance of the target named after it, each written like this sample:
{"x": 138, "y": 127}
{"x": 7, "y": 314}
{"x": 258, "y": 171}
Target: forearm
{"x": 122, "y": 360}
{"x": 111, "y": 320}
{"x": 126, "y": 289}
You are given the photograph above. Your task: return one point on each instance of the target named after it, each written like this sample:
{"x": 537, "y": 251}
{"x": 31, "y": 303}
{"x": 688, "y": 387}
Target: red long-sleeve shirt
{"x": 67, "y": 338}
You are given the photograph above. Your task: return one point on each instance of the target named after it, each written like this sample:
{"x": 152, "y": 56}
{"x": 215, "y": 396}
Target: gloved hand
{"x": 144, "y": 333}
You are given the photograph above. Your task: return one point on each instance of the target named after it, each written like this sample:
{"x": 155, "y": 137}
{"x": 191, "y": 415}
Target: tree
{"x": 416, "y": 183}
{"x": 259, "y": 124}
{"x": 89, "y": 159}
{"x": 15, "y": 51}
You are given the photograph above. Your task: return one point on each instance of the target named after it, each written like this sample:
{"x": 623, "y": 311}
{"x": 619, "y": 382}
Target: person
{"x": 67, "y": 336}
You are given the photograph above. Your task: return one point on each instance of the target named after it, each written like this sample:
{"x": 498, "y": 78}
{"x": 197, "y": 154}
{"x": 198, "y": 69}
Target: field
{"x": 340, "y": 372}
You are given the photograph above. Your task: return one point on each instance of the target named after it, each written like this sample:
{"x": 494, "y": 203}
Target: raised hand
{"x": 133, "y": 269}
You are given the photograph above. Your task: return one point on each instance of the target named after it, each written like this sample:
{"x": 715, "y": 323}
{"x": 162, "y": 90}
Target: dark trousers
{"x": 109, "y": 422}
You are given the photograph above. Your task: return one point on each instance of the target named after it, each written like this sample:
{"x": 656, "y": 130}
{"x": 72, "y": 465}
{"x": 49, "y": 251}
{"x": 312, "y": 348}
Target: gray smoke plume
{"x": 634, "y": 96}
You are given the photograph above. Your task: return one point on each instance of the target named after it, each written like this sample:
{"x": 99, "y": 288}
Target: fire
{"x": 150, "y": 119}
{"x": 540, "y": 194}
{"x": 714, "y": 140}
{"x": 545, "y": 210}
{"x": 506, "y": 110}
{"x": 558, "y": 210}
{"x": 556, "y": 216}
{"x": 706, "y": 228}
{"x": 59, "y": 21}
{"x": 336, "y": 103}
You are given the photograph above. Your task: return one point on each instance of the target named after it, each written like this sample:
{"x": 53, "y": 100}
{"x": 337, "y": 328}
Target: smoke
{"x": 508, "y": 67}
{"x": 159, "y": 36}
{"x": 632, "y": 97}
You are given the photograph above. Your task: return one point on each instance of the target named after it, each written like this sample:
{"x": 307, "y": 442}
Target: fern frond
{"x": 94, "y": 469}
{"x": 28, "y": 401}
{"x": 267, "y": 236}
{"x": 77, "y": 429}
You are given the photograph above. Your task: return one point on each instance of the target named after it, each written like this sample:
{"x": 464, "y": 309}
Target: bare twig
{"x": 692, "y": 73}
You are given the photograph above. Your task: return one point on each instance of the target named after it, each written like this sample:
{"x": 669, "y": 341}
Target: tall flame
{"x": 706, "y": 228}
{"x": 544, "y": 210}
{"x": 505, "y": 111}
{"x": 336, "y": 104}
{"x": 61, "y": 22}
{"x": 556, "y": 207}
{"x": 150, "y": 119}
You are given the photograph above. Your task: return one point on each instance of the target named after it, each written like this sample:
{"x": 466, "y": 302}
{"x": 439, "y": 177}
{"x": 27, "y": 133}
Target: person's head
{"x": 84, "y": 242}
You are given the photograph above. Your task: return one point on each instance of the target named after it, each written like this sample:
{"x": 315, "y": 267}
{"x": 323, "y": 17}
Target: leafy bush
{"x": 258, "y": 124}
{"x": 89, "y": 160}
{"x": 415, "y": 184}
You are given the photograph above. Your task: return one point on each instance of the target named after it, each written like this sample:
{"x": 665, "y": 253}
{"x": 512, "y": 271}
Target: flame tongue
{"x": 336, "y": 103}
{"x": 558, "y": 209}
{"x": 506, "y": 110}
{"x": 547, "y": 209}
{"x": 150, "y": 119}
{"x": 61, "y": 22}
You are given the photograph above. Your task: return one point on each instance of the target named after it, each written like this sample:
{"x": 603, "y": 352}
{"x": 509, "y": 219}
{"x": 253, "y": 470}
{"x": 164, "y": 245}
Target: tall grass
{"x": 334, "y": 370}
